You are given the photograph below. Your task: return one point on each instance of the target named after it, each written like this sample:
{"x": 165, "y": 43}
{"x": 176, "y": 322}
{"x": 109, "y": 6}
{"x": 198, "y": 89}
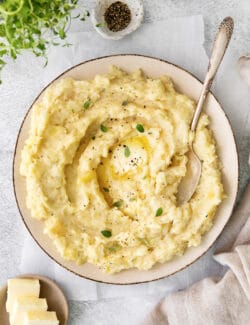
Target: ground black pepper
{"x": 117, "y": 16}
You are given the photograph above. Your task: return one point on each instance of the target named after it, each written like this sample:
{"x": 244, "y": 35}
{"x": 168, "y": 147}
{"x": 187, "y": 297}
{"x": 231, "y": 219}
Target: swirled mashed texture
{"x": 103, "y": 162}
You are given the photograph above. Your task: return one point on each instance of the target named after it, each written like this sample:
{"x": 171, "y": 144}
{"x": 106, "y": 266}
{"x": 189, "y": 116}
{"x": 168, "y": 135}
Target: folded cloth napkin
{"x": 216, "y": 301}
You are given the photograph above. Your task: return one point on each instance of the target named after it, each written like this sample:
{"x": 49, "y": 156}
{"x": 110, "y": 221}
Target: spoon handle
{"x": 221, "y": 42}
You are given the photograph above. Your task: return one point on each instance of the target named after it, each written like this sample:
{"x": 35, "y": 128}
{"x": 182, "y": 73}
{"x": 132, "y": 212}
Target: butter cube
{"x": 21, "y": 287}
{"x": 22, "y": 304}
{"x": 40, "y": 318}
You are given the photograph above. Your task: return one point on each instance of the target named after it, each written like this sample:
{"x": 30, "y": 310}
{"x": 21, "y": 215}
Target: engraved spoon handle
{"x": 221, "y": 42}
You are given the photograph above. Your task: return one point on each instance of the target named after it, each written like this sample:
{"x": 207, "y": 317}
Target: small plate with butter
{"x": 32, "y": 299}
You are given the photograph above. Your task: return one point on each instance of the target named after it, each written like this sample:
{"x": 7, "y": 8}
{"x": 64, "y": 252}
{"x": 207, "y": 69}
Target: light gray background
{"x": 123, "y": 310}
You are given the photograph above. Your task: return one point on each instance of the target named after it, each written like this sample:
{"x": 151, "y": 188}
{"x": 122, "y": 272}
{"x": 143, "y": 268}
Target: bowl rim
{"x": 15, "y": 152}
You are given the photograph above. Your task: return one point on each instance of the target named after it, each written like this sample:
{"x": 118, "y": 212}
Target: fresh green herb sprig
{"x": 87, "y": 104}
{"x": 140, "y": 128}
{"x": 33, "y": 25}
{"x": 118, "y": 204}
{"x": 114, "y": 248}
{"x": 103, "y": 128}
{"x": 101, "y": 25}
{"x": 159, "y": 212}
{"x": 106, "y": 233}
{"x": 127, "y": 151}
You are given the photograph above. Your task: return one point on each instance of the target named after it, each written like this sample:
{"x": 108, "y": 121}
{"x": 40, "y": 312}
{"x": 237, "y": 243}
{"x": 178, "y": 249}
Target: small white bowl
{"x": 136, "y": 8}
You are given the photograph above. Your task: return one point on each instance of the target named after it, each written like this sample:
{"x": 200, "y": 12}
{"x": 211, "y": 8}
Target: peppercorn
{"x": 117, "y": 16}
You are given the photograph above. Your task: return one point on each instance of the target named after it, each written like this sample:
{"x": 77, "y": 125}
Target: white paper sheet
{"x": 180, "y": 41}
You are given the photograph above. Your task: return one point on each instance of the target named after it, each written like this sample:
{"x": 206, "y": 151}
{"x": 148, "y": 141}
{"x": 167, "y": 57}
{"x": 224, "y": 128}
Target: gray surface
{"x": 114, "y": 311}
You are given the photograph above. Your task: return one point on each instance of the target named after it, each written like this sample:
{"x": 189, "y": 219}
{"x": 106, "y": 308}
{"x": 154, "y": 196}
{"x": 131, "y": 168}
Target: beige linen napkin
{"x": 216, "y": 301}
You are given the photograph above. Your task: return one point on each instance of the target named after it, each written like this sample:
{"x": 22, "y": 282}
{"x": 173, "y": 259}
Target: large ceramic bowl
{"x": 186, "y": 83}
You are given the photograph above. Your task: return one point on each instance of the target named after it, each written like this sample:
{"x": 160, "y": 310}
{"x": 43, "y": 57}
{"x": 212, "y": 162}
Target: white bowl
{"x": 226, "y": 148}
{"x": 136, "y": 8}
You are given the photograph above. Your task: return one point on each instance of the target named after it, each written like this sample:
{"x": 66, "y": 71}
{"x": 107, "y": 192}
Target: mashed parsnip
{"x": 103, "y": 162}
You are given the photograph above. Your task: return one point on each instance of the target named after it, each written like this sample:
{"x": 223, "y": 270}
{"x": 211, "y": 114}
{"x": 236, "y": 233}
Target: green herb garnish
{"x": 67, "y": 45}
{"x": 159, "y": 212}
{"x": 132, "y": 199}
{"x": 140, "y": 128}
{"x": 105, "y": 189}
{"x": 114, "y": 248}
{"x": 101, "y": 25}
{"x": 144, "y": 241}
{"x": 103, "y": 128}
{"x": 106, "y": 233}
{"x": 28, "y": 24}
{"x": 118, "y": 204}
{"x": 126, "y": 151}
{"x": 87, "y": 104}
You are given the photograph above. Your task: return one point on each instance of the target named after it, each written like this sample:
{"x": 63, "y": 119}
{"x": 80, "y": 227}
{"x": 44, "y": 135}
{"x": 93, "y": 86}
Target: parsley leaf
{"x": 118, "y": 204}
{"x": 126, "y": 151}
{"x": 103, "y": 128}
{"x": 140, "y": 128}
{"x": 158, "y": 212}
{"x": 87, "y": 104}
{"x": 114, "y": 248}
{"x": 106, "y": 233}
{"x": 101, "y": 25}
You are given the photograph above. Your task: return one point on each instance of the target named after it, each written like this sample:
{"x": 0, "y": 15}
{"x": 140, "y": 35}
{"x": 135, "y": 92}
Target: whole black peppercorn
{"x": 117, "y": 16}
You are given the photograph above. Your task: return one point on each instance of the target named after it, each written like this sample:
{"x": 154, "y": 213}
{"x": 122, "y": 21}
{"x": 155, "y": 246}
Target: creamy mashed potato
{"x": 103, "y": 162}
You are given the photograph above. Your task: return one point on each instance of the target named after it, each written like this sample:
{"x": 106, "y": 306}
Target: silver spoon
{"x": 191, "y": 179}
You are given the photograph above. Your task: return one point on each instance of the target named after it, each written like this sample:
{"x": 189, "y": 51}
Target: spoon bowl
{"x": 190, "y": 181}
